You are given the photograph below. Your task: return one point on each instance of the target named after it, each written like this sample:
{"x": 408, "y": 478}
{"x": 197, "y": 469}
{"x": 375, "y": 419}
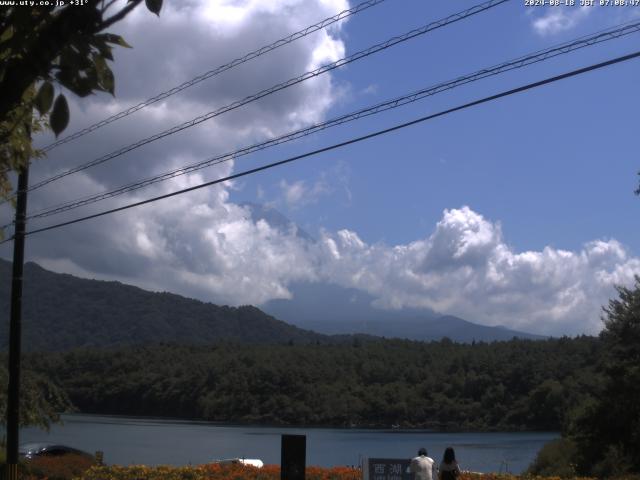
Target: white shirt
{"x": 423, "y": 468}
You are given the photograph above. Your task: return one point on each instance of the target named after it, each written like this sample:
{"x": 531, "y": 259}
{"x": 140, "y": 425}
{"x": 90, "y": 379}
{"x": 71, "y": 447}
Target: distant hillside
{"x": 351, "y": 312}
{"x": 61, "y": 311}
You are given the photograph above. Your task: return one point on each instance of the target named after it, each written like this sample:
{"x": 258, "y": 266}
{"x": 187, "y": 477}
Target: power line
{"x": 281, "y": 86}
{"x": 519, "y": 62}
{"x": 218, "y": 70}
{"x": 513, "y": 91}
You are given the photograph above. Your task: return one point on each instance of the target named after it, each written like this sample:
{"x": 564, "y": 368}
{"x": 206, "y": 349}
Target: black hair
{"x": 449, "y": 455}
{"x": 422, "y": 451}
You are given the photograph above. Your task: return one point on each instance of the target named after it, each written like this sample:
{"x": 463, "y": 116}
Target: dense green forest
{"x": 520, "y": 384}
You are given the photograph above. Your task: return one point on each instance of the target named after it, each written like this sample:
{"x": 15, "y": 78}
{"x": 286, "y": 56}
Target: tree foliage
{"x": 44, "y": 51}
{"x": 441, "y": 385}
{"x": 41, "y": 401}
{"x": 555, "y": 459}
{"x": 606, "y": 425}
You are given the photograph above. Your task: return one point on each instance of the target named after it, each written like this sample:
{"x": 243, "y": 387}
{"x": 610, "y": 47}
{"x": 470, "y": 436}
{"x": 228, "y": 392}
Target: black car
{"x": 31, "y": 450}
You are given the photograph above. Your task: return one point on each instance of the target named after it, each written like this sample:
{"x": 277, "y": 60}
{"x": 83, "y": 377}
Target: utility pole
{"x": 15, "y": 326}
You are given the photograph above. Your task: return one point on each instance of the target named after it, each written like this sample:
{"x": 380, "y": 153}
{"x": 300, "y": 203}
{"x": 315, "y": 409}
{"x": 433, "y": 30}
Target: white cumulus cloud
{"x": 466, "y": 268}
{"x": 558, "y": 19}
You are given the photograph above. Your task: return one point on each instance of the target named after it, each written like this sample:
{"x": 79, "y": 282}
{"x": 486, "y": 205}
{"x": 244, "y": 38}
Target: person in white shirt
{"x": 422, "y": 467}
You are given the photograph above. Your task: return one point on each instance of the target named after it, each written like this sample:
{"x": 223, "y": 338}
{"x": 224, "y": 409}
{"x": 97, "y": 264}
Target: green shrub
{"x": 555, "y": 459}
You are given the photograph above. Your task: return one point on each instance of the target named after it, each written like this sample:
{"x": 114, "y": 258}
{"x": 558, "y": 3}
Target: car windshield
{"x": 31, "y": 448}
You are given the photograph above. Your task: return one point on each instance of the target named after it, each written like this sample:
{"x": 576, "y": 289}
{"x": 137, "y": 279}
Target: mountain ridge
{"x": 353, "y": 313}
{"x": 62, "y": 311}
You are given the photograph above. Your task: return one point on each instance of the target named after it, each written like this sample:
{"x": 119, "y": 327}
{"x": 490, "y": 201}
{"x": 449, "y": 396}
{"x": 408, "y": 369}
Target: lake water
{"x": 127, "y": 440}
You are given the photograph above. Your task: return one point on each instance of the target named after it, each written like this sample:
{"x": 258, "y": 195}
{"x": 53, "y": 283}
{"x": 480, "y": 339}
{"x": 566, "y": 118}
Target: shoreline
{"x": 373, "y": 428}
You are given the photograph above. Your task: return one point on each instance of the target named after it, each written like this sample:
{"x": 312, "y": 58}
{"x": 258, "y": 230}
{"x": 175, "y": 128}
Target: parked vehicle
{"x": 32, "y": 450}
{"x": 254, "y": 462}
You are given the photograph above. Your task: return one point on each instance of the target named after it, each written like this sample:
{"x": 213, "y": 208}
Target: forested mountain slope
{"x": 63, "y": 311}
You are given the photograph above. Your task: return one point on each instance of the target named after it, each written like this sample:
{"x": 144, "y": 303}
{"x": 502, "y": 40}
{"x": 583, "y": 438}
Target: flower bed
{"x": 55, "y": 468}
{"x": 213, "y": 472}
{"x": 72, "y": 468}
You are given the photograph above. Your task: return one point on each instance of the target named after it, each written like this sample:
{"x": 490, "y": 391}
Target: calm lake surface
{"x": 128, "y": 440}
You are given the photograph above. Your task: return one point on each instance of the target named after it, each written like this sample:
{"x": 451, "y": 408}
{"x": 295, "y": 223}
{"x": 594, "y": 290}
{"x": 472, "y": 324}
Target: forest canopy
{"x": 514, "y": 385}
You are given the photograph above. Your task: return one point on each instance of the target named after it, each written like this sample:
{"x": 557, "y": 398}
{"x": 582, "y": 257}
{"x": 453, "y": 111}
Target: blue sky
{"x": 518, "y": 212}
{"x": 556, "y": 166}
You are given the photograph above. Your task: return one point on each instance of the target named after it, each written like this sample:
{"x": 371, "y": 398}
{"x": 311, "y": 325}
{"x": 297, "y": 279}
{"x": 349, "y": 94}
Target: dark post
{"x": 13, "y": 404}
{"x": 293, "y": 457}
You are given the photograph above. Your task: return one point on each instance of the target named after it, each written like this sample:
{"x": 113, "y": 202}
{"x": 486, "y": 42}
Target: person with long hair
{"x": 449, "y": 469}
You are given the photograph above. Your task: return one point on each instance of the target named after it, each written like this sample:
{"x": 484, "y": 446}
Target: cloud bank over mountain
{"x": 466, "y": 268}
{"x": 205, "y": 245}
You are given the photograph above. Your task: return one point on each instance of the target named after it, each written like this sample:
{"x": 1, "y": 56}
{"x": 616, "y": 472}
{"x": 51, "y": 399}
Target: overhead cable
{"x": 218, "y": 70}
{"x": 281, "y": 86}
{"x": 513, "y": 91}
{"x": 517, "y": 63}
